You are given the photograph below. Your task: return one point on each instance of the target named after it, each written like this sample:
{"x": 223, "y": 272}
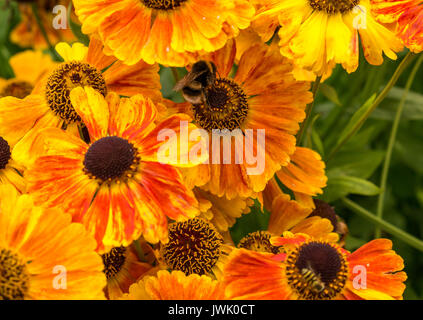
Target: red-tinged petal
{"x": 93, "y": 110}
{"x": 164, "y": 185}
{"x": 254, "y": 275}
{"x": 131, "y": 118}
{"x": 141, "y": 78}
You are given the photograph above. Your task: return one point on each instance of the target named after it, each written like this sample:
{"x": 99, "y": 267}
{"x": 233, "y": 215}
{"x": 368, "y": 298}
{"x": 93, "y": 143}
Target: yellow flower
{"x": 167, "y": 32}
{"x": 43, "y": 255}
{"x": 28, "y": 67}
{"x": 176, "y": 285}
{"x": 318, "y": 34}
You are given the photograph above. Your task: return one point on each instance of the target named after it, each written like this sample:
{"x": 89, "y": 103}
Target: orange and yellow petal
{"x": 383, "y": 270}
{"x": 410, "y": 28}
{"x": 54, "y": 247}
{"x": 220, "y": 211}
{"x": 170, "y": 37}
{"x": 93, "y": 110}
{"x": 31, "y": 65}
{"x": 176, "y": 285}
{"x": 286, "y": 213}
{"x": 251, "y": 275}
{"x": 74, "y": 52}
{"x": 10, "y": 175}
{"x": 18, "y": 116}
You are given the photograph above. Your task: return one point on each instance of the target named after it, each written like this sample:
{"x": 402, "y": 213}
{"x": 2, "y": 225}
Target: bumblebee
{"x": 311, "y": 278}
{"x": 195, "y": 82}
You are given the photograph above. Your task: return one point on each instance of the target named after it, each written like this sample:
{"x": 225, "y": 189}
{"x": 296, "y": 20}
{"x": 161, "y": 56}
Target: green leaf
{"x": 330, "y": 93}
{"x": 413, "y": 106}
{"x": 409, "y": 147}
{"x": 6, "y": 70}
{"x": 353, "y": 243}
{"x": 357, "y": 119}
{"x": 251, "y": 222}
{"x": 340, "y": 186}
{"x": 317, "y": 143}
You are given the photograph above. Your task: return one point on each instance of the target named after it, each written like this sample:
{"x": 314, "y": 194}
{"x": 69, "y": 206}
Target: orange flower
{"x": 43, "y": 255}
{"x": 49, "y": 104}
{"x": 314, "y": 270}
{"x": 115, "y": 186}
{"x": 176, "y": 285}
{"x": 304, "y": 175}
{"x": 167, "y": 32}
{"x": 28, "y": 34}
{"x": 262, "y": 97}
{"x": 409, "y": 14}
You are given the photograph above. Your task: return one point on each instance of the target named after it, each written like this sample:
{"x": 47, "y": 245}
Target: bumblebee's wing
{"x": 189, "y": 77}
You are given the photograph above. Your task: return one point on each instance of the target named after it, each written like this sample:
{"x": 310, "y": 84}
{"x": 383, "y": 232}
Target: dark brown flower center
{"x": 5, "y": 153}
{"x": 67, "y": 77}
{"x": 14, "y": 277}
{"x": 163, "y": 4}
{"x": 17, "y": 89}
{"x": 226, "y": 107}
{"x": 113, "y": 261}
{"x": 259, "y": 241}
{"x": 193, "y": 247}
{"x": 316, "y": 270}
{"x": 333, "y": 6}
{"x": 111, "y": 158}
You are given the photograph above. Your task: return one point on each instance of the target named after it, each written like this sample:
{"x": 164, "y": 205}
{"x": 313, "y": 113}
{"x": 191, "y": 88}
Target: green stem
{"x": 391, "y": 143}
{"x": 402, "y": 66}
{"x": 175, "y": 74}
{"x": 400, "y": 234}
{"x": 309, "y": 110}
{"x": 44, "y": 32}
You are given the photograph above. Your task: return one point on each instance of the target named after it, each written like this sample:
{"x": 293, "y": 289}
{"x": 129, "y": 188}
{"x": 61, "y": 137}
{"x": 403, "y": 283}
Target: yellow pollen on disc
{"x": 67, "y": 77}
{"x": 113, "y": 261}
{"x": 163, "y": 4}
{"x": 193, "y": 247}
{"x": 259, "y": 241}
{"x": 226, "y": 106}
